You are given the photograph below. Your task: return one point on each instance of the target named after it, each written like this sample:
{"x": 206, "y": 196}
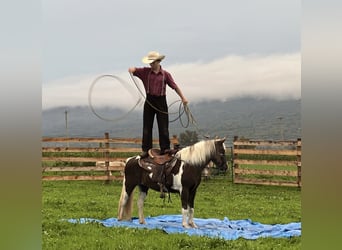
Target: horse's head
{"x": 220, "y": 158}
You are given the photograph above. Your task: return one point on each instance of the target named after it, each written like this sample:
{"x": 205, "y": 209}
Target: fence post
{"x": 175, "y": 142}
{"x": 108, "y": 172}
{"x": 299, "y": 162}
{"x": 231, "y": 160}
{"x": 234, "y": 156}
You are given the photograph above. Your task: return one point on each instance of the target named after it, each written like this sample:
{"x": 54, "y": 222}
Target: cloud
{"x": 276, "y": 76}
{"x": 273, "y": 76}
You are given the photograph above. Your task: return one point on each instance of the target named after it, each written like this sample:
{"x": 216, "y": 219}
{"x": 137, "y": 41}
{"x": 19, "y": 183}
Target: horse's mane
{"x": 197, "y": 154}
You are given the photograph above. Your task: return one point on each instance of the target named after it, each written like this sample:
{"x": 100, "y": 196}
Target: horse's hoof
{"x": 162, "y": 196}
{"x": 193, "y": 225}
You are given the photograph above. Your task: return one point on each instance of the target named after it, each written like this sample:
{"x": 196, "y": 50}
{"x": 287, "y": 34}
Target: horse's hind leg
{"x": 125, "y": 203}
{"x": 141, "y": 200}
{"x": 122, "y": 204}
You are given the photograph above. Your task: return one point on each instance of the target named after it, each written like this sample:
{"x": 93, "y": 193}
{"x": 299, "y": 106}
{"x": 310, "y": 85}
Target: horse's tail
{"x": 125, "y": 204}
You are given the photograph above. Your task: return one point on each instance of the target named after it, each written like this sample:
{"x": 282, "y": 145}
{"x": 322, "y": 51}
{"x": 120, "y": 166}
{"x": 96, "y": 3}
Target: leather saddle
{"x": 160, "y": 166}
{"x": 158, "y": 158}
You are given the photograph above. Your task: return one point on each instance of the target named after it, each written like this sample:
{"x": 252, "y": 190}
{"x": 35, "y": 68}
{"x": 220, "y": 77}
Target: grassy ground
{"x": 216, "y": 198}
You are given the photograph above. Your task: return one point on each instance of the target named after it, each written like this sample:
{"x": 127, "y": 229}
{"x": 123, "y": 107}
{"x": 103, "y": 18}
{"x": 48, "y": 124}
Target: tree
{"x": 188, "y": 138}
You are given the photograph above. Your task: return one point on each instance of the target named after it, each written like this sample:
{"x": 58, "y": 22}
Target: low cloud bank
{"x": 273, "y": 76}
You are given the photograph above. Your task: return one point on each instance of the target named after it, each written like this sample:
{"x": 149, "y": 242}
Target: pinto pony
{"x": 184, "y": 179}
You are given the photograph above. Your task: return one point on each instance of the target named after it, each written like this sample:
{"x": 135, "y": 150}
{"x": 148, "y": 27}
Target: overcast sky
{"x": 214, "y": 49}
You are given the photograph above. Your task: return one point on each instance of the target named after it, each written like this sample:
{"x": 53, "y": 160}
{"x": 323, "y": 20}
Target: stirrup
{"x": 162, "y": 194}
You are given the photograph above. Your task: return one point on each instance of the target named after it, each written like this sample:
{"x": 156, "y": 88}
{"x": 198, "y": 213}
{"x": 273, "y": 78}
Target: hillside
{"x": 247, "y": 117}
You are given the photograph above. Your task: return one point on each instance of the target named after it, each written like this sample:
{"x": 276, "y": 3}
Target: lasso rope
{"x": 90, "y": 98}
{"x": 149, "y": 103}
{"x": 183, "y": 108}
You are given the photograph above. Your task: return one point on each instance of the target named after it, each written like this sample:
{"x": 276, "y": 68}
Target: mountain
{"x": 244, "y": 117}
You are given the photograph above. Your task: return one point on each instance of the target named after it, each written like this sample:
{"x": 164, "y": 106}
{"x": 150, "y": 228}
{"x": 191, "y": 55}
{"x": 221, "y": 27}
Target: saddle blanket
{"x": 213, "y": 228}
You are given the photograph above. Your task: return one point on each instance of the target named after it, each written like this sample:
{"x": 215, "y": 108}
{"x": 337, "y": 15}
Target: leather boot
{"x": 144, "y": 154}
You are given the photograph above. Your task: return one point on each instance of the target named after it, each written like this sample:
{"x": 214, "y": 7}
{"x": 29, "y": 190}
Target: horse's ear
{"x": 221, "y": 140}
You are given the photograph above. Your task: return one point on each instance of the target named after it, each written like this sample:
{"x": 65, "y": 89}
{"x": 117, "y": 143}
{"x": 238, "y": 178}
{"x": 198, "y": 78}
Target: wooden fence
{"x": 267, "y": 162}
{"x": 254, "y": 162}
{"x": 61, "y": 158}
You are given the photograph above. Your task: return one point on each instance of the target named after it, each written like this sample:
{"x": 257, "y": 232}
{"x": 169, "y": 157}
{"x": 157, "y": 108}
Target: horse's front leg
{"x": 192, "y": 210}
{"x": 141, "y": 200}
{"x": 191, "y": 218}
{"x": 185, "y": 210}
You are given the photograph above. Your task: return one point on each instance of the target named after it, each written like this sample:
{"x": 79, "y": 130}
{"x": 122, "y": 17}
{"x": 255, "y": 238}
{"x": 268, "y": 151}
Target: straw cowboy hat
{"x": 152, "y": 56}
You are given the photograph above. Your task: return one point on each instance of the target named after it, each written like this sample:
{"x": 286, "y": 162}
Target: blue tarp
{"x": 213, "y": 228}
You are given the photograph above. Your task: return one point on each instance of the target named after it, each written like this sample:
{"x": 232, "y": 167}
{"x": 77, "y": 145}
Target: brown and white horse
{"x": 184, "y": 179}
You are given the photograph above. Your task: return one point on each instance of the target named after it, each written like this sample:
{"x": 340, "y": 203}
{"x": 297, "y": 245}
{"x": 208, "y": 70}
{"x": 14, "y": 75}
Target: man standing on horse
{"x": 155, "y": 80}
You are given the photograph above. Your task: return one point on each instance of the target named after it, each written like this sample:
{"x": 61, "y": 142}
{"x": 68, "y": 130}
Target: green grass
{"x": 216, "y": 198}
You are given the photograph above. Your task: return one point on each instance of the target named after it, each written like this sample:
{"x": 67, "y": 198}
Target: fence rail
{"x": 65, "y": 163}
{"x": 252, "y": 161}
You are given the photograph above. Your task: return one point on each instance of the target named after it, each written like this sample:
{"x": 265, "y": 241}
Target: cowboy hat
{"x": 152, "y": 56}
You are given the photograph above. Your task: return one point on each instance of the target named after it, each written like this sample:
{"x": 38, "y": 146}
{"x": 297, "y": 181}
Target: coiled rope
{"x": 183, "y": 109}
